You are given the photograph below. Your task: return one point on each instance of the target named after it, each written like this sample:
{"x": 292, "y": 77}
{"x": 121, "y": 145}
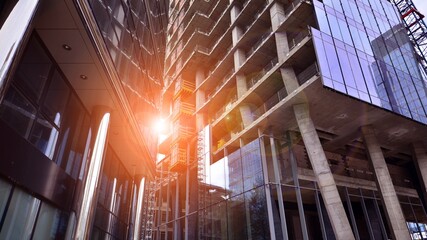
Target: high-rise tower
{"x": 291, "y": 120}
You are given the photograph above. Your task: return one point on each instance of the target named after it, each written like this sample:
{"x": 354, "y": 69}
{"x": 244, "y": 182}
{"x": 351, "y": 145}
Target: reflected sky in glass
{"x": 363, "y": 51}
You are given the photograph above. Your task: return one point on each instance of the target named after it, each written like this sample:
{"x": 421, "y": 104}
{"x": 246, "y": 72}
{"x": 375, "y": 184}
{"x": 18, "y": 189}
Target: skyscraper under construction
{"x": 299, "y": 119}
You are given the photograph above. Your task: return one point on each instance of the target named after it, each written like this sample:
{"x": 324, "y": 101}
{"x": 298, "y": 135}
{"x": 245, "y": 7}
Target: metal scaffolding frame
{"x": 149, "y": 202}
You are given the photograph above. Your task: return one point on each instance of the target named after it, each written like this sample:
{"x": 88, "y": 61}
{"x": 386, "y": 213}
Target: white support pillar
{"x": 324, "y": 177}
{"x": 137, "y": 227}
{"x": 12, "y": 35}
{"x": 391, "y": 203}
{"x": 100, "y": 120}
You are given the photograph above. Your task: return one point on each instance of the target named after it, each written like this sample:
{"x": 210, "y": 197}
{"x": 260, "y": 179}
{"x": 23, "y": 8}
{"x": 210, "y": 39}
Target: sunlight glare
{"x": 160, "y": 126}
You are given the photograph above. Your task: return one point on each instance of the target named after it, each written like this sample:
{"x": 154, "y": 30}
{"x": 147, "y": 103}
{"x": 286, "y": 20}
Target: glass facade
{"x": 25, "y": 216}
{"x": 236, "y": 182}
{"x": 41, "y": 107}
{"x": 364, "y": 51}
{"x": 232, "y": 200}
{"x": 134, "y": 34}
{"x": 114, "y": 200}
{"x": 15, "y": 18}
{"x": 49, "y": 143}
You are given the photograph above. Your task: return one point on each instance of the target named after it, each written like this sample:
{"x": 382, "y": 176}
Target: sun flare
{"x": 160, "y": 126}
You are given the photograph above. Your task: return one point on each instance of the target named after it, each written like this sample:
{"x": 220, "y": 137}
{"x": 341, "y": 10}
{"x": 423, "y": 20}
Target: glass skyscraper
{"x": 80, "y": 89}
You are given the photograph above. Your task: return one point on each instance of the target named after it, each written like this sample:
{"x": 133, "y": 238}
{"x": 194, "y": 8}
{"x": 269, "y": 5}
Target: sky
{"x": 421, "y": 6}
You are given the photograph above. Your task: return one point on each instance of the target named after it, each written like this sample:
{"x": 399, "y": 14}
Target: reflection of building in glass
{"x": 269, "y": 133}
{"x": 404, "y": 84}
{"x": 372, "y": 61}
{"x": 80, "y": 85}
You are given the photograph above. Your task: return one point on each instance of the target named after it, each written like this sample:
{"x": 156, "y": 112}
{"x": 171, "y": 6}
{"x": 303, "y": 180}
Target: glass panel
{"x": 48, "y": 223}
{"x": 20, "y": 216}
{"x": 98, "y": 234}
{"x": 12, "y": 33}
{"x": 114, "y": 197}
{"x": 72, "y": 138}
{"x": 383, "y": 42}
{"x": 358, "y": 213}
{"x": 235, "y": 173}
{"x": 256, "y": 211}
{"x": 33, "y": 70}
{"x": 218, "y": 174}
{"x": 252, "y": 167}
{"x": 291, "y": 212}
{"x": 17, "y": 112}
{"x": 56, "y": 99}
{"x": 4, "y": 195}
{"x": 44, "y": 136}
{"x": 237, "y": 219}
{"x": 322, "y": 20}
{"x": 310, "y": 211}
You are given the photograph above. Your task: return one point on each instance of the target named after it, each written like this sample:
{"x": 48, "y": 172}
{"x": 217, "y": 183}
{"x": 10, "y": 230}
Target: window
{"x": 42, "y": 108}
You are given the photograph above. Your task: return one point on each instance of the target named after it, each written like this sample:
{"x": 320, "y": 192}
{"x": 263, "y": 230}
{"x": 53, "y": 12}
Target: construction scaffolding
{"x": 201, "y": 177}
{"x": 150, "y": 201}
{"x": 416, "y": 28}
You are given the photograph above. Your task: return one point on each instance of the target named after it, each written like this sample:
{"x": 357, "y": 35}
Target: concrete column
{"x": 277, "y": 14}
{"x": 282, "y": 45}
{"x": 200, "y": 94}
{"x": 239, "y": 58}
{"x": 324, "y": 177}
{"x": 200, "y": 99}
{"x": 100, "y": 119}
{"x": 234, "y": 12}
{"x": 180, "y": 30}
{"x": 289, "y": 79}
{"x": 420, "y": 161}
{"x": 236, "y": 34}
{"x": 246, "y": 114}
{"x": 391, "y": 203}
{"x": 241, "y": 85}
{"x": 245, "y": 110}
{"x": 179, "y": 63}
{"x": 180, "y": 46}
